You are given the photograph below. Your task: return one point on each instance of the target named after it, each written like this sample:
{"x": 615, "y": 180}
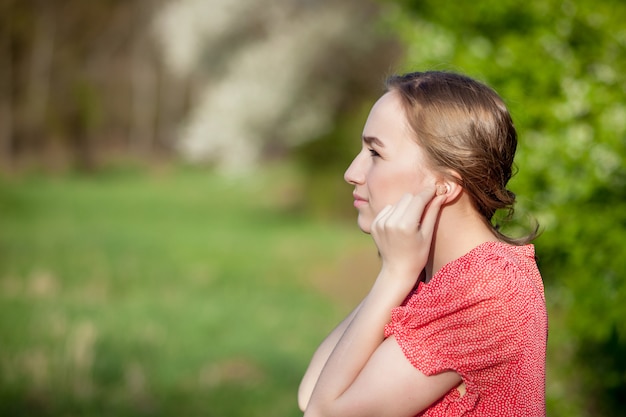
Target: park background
{"x": 175, "y": 233}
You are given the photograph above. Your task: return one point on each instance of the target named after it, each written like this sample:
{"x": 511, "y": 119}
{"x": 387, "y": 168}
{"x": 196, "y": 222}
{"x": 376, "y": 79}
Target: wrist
{"x": 397, "y": 282}
{"x": 407, "y": 274}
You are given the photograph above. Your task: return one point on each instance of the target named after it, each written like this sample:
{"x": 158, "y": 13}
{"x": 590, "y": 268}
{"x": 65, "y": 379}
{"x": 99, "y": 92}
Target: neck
{"x": 460, "y": 229}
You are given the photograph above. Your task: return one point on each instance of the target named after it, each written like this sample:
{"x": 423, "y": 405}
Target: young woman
{"x": 455, "y": 323}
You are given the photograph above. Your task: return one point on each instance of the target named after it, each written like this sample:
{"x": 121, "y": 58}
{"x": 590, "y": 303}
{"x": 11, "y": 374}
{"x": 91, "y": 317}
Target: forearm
{"x": 319, "y": 359}
{"x": 404, "y": 245}
{"x": 362, "y": 336}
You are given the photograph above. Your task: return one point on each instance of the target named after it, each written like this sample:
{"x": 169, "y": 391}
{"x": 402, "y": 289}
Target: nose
{"x": 355, "y": 174}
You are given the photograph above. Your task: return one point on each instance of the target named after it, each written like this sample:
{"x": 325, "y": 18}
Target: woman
{"x": 455, "y": 323}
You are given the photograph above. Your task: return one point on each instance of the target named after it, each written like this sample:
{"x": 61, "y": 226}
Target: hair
{"x": 465, "y": 128}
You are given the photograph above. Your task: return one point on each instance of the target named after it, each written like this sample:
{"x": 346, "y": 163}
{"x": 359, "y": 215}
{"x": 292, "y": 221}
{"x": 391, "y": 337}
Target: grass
{"x": 178, "y": 292}
{"x": 173, "y": 292}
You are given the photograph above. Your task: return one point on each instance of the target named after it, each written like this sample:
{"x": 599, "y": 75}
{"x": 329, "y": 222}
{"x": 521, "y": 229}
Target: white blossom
{"x": 263, "y": 85}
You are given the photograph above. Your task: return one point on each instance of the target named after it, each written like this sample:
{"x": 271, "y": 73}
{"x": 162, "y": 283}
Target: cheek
{"x": 391, "y": 188}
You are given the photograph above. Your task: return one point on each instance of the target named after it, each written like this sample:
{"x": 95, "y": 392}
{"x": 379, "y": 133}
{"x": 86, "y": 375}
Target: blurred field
{"x": 173, "y": 292}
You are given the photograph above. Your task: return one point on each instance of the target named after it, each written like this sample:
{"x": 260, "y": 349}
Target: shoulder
{"x": 494, "y": 278}
{"x": 491, "y": 270}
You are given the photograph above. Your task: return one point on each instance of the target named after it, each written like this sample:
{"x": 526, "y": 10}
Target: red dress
{"x": 484, "y": 316}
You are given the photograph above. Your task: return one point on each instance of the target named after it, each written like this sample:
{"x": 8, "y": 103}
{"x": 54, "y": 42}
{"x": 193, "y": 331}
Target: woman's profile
{"x": 455, "y": 323}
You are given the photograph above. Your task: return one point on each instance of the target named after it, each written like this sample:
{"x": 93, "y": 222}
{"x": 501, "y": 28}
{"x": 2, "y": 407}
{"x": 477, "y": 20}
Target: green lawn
{"x": 170, "y": 292}
{"x": 177, "y": 292}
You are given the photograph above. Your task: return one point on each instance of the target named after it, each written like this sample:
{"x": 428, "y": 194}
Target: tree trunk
{"x": 39, "y": 75}
{"x": 144, "y": 85}
{"x": 6, "y": 103}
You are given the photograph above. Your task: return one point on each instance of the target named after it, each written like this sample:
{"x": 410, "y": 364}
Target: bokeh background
{"x": 175, "y": 233}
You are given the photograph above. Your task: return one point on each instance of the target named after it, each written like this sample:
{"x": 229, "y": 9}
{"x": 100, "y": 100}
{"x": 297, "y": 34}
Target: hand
{"x": 403, "y": 233}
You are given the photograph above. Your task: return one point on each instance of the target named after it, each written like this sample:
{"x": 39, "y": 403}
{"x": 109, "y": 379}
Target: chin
{"x": 365, "y": 225}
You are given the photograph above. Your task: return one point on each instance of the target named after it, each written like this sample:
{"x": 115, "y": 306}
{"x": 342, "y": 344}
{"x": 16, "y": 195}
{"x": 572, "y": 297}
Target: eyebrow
{"x": 371, "y": 140}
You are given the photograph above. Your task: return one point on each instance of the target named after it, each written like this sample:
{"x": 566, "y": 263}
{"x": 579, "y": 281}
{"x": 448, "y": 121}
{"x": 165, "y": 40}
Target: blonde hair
{"x": 464, "y": 127}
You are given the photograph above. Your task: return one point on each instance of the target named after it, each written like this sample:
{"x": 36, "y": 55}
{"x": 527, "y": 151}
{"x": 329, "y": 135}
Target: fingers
{"x": 411, "y": 212}
{"x": 383, "y": 213}
{"x": 429, "y": 219}
{"x": 403, "y": 232}
{"x": 412, "y": 208}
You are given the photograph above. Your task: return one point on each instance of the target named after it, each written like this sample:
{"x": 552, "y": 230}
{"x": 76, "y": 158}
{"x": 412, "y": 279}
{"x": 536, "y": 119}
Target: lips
{"x": 358, "y": 200}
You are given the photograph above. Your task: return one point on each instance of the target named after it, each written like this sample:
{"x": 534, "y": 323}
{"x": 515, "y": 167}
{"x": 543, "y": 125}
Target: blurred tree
{"x": 6, "y": 86}
{"x": 273, "y": 74}
{"x": 73, "y": 75}
{"x": 226, "y": 81}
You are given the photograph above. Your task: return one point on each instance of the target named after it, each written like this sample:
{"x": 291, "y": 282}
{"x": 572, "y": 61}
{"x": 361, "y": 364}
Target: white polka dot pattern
{"x": 483, "y": 316}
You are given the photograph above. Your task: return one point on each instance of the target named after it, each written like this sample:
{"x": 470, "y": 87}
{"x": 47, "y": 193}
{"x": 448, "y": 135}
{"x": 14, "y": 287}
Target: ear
{"x": 450, "y": 186}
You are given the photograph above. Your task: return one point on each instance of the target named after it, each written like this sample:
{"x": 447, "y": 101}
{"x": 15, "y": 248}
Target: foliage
{"x": 561, "y": 66}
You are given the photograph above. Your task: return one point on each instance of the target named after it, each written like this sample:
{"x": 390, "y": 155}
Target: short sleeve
{"x": 466, "y": 321}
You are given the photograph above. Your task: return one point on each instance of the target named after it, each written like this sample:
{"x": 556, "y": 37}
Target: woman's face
{"x": 390, "y": 163}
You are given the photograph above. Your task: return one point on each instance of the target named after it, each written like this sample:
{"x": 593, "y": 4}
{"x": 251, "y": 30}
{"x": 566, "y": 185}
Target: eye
{"x": 373, "y": 152}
